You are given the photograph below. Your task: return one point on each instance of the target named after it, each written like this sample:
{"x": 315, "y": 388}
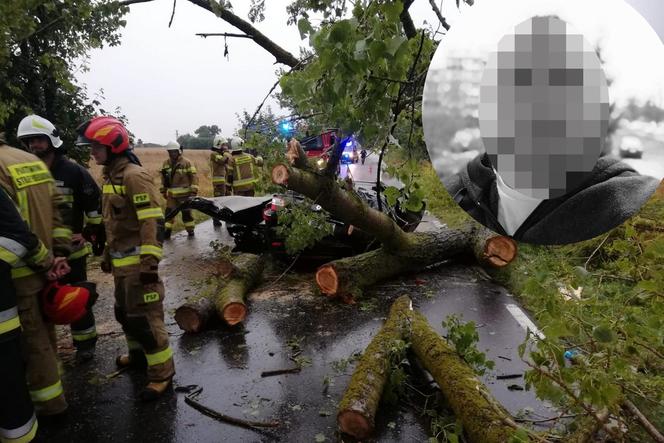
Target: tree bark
{"x": 484, "y": 420}
{"x": 348, "y": 277}
{"x": 357, "y": 408}
{"x": 344, "y": 205}
{"x": 229, "y": 302}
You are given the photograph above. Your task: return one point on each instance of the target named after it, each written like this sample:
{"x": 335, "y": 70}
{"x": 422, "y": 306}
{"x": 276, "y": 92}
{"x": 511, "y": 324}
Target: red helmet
{"x": 66, "y": 304}
{"x": 107, "y": 131}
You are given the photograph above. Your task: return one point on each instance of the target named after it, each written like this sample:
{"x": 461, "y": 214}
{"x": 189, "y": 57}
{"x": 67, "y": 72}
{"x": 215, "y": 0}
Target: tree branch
{"x": 643, "y": 421}
{"x": 222, "y": 34}
{"x": 406, "y": 20}
{"x": 172, "y": 13}
{"x": 280, "y": 54}
{"x": 439, "y": 14}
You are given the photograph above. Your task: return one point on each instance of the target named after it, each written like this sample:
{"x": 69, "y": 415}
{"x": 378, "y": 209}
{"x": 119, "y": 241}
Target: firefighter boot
{"x": 155, "y": 389}
{"x": 133, "y": 360}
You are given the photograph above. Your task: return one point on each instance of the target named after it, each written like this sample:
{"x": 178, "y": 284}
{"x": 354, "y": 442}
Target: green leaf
{"x": 320, "y": 438}
{"x": 304, "y": 27}
{"x": 391, "y": 194}
{"x": 392, "y": 11}
{"x": 395, "y": 43}
{"x": 604, "y": 334}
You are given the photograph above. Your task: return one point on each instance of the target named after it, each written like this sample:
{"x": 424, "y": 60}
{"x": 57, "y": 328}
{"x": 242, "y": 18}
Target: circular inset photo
{"x": 547, "y": 124}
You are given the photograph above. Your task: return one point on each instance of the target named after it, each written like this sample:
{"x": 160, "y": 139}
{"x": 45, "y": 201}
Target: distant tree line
{"x": 202, "y": 139}
{"x": 649, "y": 112}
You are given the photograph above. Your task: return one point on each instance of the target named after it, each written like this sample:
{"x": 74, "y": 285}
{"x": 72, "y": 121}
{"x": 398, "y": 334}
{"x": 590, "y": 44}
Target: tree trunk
{"x": 348, "y": 277}
{"x": 483, "y": 419}
{"x": 229, "y": 303}
{"x": 357, "y": 409}
{"x": 342, "y": 204}
{"x": 194, "y": 315}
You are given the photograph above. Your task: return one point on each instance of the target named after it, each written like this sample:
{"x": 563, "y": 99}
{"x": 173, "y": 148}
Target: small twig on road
{"x": 508, "y": 376}
{"x": 193, "y": 391}
{"x": 116, "y": 373}
{"x": 281, "y": 371}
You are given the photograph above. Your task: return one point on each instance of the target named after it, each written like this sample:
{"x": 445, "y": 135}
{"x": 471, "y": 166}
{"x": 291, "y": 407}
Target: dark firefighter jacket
{"x": 613, "y": 193}
{"x": 81, "y": 198}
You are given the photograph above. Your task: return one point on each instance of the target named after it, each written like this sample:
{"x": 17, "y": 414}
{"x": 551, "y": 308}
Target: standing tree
{"x": 42, "y": 44}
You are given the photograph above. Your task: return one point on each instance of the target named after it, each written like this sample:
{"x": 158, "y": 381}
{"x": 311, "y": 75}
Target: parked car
{"x": 631, "y": 147}
{"x": 253, "y": 222}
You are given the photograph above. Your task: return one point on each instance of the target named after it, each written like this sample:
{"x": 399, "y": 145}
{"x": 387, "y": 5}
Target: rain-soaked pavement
{"x": 283, "y": 318}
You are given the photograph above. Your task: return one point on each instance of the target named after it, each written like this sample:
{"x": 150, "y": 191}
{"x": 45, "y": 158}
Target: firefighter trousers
{"x": 39, "y": 348}
{"x": 218, "y": 191}
{"x": 18, "y": 422}
{"x": 84, "y": 331}
{"x": 140, "y": 310}
{"x": 187, "y": 219}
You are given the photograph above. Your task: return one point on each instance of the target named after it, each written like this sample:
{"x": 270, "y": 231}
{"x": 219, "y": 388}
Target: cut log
{"x": 357, "y": 408}
{"x": 229, "y": 303}
{"x": 347, "y": 277}
{"x": 483, "y": 419}
{"x": 195, "y": 313}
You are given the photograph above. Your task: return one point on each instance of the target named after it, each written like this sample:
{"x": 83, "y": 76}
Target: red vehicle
{"x": 319, "y": 145}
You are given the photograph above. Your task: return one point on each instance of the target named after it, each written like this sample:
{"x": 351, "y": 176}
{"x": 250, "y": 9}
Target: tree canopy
{"x": 42, "y": 44}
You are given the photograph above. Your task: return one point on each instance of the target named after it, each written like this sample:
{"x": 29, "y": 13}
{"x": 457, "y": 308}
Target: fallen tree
{"x": 483, "y": 419}
{"x": 235, "y": 278}
{"x": 357, "y": 408}
{"x": 348, "y": 277}
{"x": 400, "y": 251}
{"x": 229, "y": 303}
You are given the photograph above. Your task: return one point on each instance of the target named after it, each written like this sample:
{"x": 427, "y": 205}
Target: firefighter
{"x": 134, "y": 231}
{"x": 81, "y": 204}
{"x": 18, "y": 422}
{"x": 179, "y": 181}
{"x": 245, "y": 175}
{"x": 28, "y": 182}
{"x": 218, "y": 169}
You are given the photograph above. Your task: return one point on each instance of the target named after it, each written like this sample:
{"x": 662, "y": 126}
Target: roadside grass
{"x": 602, "y": 298}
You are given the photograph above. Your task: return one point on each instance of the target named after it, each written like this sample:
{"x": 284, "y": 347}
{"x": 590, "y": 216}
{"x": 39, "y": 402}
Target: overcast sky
{"x": 167, "y": 79}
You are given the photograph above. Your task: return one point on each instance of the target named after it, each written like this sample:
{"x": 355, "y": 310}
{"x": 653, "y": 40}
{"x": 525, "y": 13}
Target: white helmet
{"x": 218, "y": 141}
{"x": 173, "y": 146}
{"x": 236, "y": 142}
{"x": 33, "y": 125}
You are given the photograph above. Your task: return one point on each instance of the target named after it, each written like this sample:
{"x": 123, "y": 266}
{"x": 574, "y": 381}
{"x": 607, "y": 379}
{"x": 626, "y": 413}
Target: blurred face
{"x": 173, "y": 155}
{"x": 544, "y": 108}
{"x": 39, "y": 145}
{"x": 99, "y": 153}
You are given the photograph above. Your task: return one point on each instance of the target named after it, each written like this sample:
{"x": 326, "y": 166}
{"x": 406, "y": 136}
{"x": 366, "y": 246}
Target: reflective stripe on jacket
{"x": 133, "y": 218}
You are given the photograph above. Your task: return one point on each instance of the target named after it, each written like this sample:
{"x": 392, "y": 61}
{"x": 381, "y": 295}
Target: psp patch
{"x": 151, "y": 297}
{"x": 141, "y": 200}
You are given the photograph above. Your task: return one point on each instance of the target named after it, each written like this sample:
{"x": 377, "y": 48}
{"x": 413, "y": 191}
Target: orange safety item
{"x": 65, "y": 304}
{"x": 107, "y": 131}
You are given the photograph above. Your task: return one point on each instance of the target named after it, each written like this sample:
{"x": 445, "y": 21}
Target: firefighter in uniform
{"x": 218, "y": 161}
{"x": 179, "y": 181}
{"x": 134, "y": 231}
{"x": 245, "y": 173}
{"x": 81, "y": 205}
{"x": 18, "y": 422}
{"x": 28, "y": 182}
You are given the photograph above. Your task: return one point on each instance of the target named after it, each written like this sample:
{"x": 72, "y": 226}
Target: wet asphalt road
{"x": 283, "y": 318}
